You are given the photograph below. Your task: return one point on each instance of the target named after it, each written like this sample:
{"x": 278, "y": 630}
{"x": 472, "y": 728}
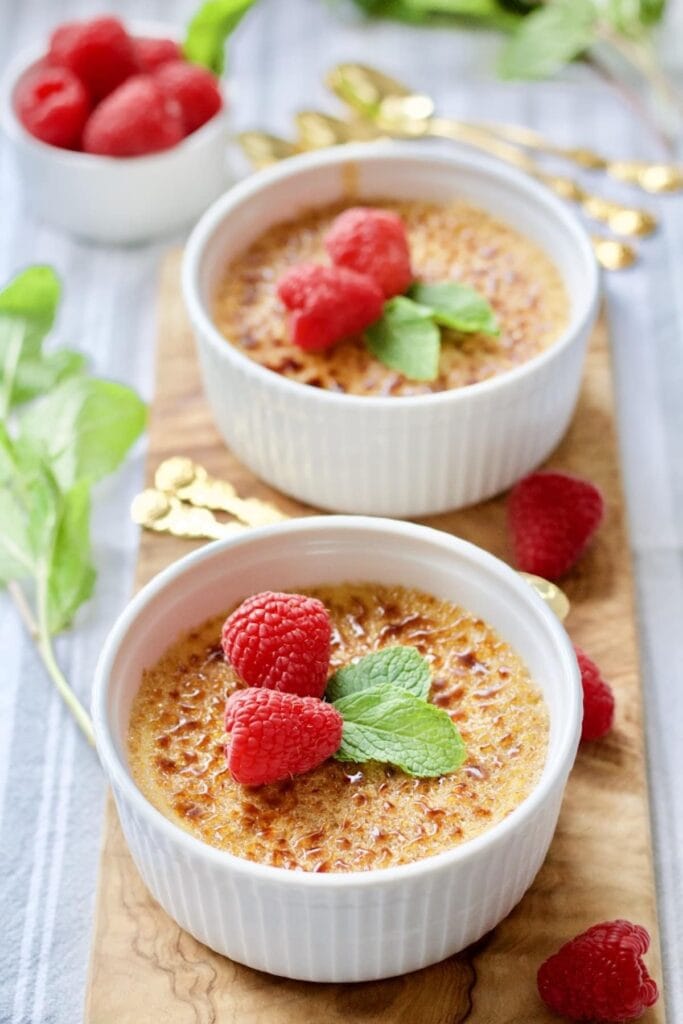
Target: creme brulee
{"x": 345, "y": 817}
{"x": 447, "y": 242}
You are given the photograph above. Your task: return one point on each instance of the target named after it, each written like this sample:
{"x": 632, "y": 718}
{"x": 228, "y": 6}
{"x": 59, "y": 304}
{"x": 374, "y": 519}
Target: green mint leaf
{"x": 36, "y": 376}
{"x": 83, "y": 428}
{"x": 457, "y": 306}
{"x": 70, "y": 570}
{"x": 16, "y": 549}
{"x": 548, "y": 39}
{"x": 387, "y": 724}
{"x": 406, "y": 339}
{"x": 32, "y": 297}
{"x": 396, "y": 666}
{"x": 209, "y": 29}
{"x": 634, "y": 17}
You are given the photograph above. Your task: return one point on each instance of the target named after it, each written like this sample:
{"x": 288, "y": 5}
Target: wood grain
{"x": 145, "y": 969}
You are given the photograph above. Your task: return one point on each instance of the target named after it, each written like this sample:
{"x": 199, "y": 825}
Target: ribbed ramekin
{"x": 353, "y": 926}
{"x": 402, "y": 456}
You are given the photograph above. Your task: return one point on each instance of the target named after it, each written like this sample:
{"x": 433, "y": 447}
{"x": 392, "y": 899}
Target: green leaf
{"x": 396, "y": 666}
{"x": 548, "y": 39}
{"x": 209, "y": 29}
{"x": 32, "y": 297}
{"x": 387, "y": 724}
{"x": 634, "y": 17}
{"x": 83, "y": 428}
{"x": 406, "y": 339}
{"x": 70, "y": 572}
{"x": 457, "y": 306}
{"x": 36, "y": 376}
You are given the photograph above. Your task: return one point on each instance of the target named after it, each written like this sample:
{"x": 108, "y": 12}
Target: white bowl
{"x": 403, "y": 456}
{"x": 359, "y": 925}
{"x": 115, "y": 199}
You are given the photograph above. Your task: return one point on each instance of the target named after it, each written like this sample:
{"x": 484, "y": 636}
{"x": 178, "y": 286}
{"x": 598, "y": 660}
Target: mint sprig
{"x": 403, "y": 667}
{"x": 457, "y": 306}
{"x": 387, "y": 724}
{"x": 209, "y": 29}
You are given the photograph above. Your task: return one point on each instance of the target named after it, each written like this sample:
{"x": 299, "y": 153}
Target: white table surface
{"x": 51, "y": 789}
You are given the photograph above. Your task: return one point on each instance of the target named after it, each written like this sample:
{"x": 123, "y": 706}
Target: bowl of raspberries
{"x": 118, "y": 137}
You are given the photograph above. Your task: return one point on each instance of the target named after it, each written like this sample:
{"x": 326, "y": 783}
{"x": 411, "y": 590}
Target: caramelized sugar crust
{"x": 345, "y": 817}
{"x": 454, "y": 242}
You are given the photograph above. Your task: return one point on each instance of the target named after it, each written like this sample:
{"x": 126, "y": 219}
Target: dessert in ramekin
{"x": 410, "y": 454}
{"x": 339, "y": 925}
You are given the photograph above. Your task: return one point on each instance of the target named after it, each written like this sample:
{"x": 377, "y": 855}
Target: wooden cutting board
{"x": 145, "y": 970}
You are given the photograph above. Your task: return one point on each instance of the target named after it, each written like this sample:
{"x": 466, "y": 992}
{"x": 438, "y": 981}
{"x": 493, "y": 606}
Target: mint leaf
{"x": 406, "y": 339}
{"x": 403, "y": 667}
{"x": 36, "y": 376}
{"x": 457, "y": 306}
{"x": 70, "y": 571}
{"x": 32, "y": 298}
{"x": 549, "y": 38}
{"x": 387, "y": 724}
{"x": 209, "y": 29}
{"x": 83, "y": 428}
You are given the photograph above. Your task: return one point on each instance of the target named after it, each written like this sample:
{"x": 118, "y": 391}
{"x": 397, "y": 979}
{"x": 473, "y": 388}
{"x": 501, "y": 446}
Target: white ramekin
{"x": 408, "y": 456}
{"x": 116, "y": 200}
{"x": 355, "y": 926}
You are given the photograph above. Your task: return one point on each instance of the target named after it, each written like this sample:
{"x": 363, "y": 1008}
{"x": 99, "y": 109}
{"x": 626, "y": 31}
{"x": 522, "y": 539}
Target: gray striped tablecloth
{"x": 51, "y": 790}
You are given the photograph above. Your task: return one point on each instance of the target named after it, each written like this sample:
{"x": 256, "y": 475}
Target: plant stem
{"x": 641, "y": 56}
{"x": 10, "y": 371}
{"x": 629, "y": 96}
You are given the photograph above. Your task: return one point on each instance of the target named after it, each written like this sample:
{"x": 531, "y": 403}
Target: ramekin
{"x": 115, "y": 199}
{"x": 353, "y": 926}
{"x": 402, "y": 456}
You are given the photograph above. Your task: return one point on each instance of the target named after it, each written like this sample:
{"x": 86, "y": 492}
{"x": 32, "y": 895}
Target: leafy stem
{"x": 11, "y": 364}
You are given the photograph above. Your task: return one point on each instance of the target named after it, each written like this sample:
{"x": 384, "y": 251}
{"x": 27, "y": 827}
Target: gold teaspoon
{"x": 184, "y": 479}
{"x": 165, "y": 514}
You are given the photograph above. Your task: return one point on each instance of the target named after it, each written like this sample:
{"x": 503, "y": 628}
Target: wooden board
{"x": 145, "y": 970}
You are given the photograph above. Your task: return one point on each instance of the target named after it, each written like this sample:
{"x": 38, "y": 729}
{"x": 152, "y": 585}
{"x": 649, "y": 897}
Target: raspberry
{"x": 137, "y": 118}
{"x": 276, "y": 735}
{"x": 372, "y": 242}
{"x": 552, "y": 517}
{"x": 327, "y": 304}
{"x": 598, "y": 699}
{"x": 281, "y": 642}
{"x": 53, "y": 105}
{"x": 599, "y": 975}
{"x": 152, "y": 53}
{"x": 99, "y": 52}
{"x": 195, "y": 90}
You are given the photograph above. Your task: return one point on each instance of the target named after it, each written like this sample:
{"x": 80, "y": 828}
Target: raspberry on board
{"x": 152, "y": 53}
{"x": 598, "y": 699}
{"x": 327, "y": 304}
{"x": 600, "y": 976}
{"x": 136, "y": 119}
{"x": 53, "y": 106}
{"x": 195, "y": 90}
{"x": 372, "y": 242}
{"x": 99, "y": 52}
{"x": 552, "y": 518}
{"x": 275, "y": 735}
{"x": 281, "y": 642}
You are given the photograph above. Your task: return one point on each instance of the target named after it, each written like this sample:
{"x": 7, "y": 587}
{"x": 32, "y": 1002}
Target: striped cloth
{"x": 51, "y": 789}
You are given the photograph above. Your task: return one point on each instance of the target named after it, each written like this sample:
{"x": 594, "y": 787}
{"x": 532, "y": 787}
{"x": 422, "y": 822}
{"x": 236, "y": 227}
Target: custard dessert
{"x": 343, "y": 817}
{"x": 454, "y": 242}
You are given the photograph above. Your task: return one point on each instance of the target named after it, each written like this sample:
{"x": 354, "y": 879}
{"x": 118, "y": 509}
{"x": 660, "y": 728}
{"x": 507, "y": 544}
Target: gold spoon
{"x": 184, "y": 479}
{"x": 365, "y": 89}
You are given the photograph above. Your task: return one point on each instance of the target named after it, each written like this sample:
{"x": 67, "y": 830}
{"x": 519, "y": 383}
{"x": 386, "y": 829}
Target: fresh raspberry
{"x": 281, "y": 642}
{"x": 552, "y": 517}
{"x": 137, "y": 118}
{"x": 275, "y": 735}
{"x": 327, "y": 304}
{"x": 372, "y": 242}
{"x": 152, "y": 53}
{"x": 195, "y": 90}
{"x": 598, "y": 699}
{"x": 99, "y": 52}
{"x": 600, "y": 976}
{"x": 53, "y": 105}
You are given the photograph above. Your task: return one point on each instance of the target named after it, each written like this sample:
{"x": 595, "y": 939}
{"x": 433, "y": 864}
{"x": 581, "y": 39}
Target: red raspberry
{"x": 327, "y": 304}
{"x": 552, "y": 517}
{"x": 372, "y": 242}
{"x": 137, "y": 118}
{"x": 195, "y": 89}
{"x": 599, "y": 975}
{"x": 53, "y": 105}
{"x": 100, "y": 52}
{"x": 281, "y": 642}
{"x": 152, "y": 53}
{"x": 598, "y": 699}
{"x": 275, "y": 735}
